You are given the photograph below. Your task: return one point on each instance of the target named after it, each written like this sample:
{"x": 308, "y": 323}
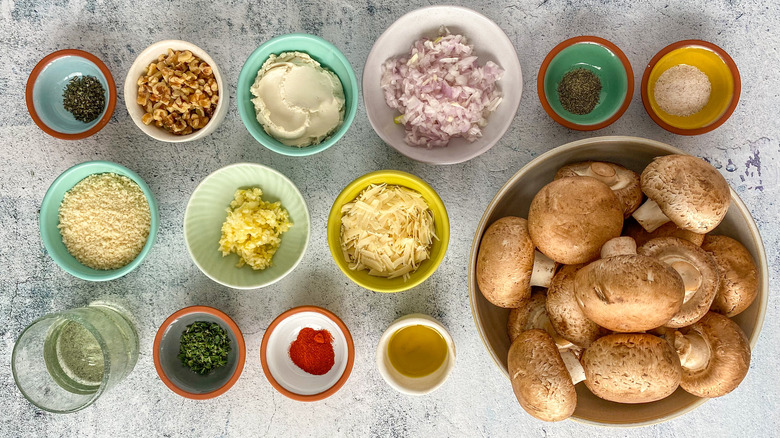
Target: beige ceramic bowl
{"x": 514, "y": 199}
{"x": 138, "y": 68}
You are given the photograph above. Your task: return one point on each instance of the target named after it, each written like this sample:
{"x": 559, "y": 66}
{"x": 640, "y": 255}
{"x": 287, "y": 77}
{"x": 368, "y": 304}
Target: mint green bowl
{"x": 49, "y": 219}
{"x": 321, "y": 51}
{"x": 602, "y": 58}
{"x": 206, "y": 212}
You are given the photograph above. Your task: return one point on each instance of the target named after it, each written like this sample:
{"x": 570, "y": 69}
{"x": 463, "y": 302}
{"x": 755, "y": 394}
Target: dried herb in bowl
{"x": 85, "y": 98}
{"x": 579, "y": 91}
{"x": 204, "y": 347}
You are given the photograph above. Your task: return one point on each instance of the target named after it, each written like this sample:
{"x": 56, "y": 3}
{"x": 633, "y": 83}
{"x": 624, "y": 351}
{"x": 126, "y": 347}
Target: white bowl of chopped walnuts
{"x": 174, "y": 92}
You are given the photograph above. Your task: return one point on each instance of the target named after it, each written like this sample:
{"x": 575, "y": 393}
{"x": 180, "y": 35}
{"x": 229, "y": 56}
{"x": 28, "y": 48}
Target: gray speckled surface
{"x": 477, "y": 399}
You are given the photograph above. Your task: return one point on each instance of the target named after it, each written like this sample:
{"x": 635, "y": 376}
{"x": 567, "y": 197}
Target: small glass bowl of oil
{"x": 415, "y": 354}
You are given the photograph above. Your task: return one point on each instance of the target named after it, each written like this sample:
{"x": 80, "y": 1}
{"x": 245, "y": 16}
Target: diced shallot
{"x": 441, "y": 91}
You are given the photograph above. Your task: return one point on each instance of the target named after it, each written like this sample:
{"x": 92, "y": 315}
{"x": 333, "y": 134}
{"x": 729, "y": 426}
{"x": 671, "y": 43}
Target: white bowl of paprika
{"x": 307, "y": 353}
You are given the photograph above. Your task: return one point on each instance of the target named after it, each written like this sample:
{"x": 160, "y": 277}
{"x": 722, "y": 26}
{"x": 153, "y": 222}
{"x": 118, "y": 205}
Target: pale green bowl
{"x": 49, "y": 219}
{"x": 206, "y": 212}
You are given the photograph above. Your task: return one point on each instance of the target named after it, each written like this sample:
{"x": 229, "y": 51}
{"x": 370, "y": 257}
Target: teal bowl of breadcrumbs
{"x": 98, "y": 220}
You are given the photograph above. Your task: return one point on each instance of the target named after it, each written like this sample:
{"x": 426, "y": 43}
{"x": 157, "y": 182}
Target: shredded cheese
{"x": 253, "y": 228}
{"x": 387, "y": 230}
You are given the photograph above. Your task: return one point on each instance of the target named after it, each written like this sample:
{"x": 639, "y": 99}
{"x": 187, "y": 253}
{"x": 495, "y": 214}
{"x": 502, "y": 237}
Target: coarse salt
{"x": 682, "y": 90}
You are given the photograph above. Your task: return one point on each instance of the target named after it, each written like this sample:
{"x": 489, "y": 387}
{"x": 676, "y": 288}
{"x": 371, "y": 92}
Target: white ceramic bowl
{"x": 414, "y": 385}
{"x": 149, "y": 55}
{"x": 490, "y": 44}
{"x": 288, "y": 378}
{"x": 514, "y": 198}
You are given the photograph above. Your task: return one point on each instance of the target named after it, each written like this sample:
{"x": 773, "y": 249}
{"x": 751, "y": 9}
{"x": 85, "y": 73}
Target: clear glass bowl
{"x": 64, "y": 361}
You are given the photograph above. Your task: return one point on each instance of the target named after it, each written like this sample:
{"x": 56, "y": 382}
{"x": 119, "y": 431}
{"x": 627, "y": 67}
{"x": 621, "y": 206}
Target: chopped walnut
{"x": 178, "y": 92}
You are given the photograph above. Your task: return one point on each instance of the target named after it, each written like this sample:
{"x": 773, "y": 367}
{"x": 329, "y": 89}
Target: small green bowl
{"x": 599, "y": 56}
{"x": 441, "y": 223}
{"x": 49, "y": 219}
{"x": 321, "y": 51}
{"x": 206, "y": 212}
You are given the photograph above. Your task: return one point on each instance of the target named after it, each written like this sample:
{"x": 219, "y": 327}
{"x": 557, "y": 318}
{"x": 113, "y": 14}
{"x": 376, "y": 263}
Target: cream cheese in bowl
{"x": 297, "y": 101}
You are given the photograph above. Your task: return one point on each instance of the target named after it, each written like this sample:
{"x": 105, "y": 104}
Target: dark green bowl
{"x": 602, "y": 58}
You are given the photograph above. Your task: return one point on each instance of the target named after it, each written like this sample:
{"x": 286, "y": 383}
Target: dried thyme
{"x": 579, "y": 91}
{"x": 85, "y": 98}
{"x": 204, "y": 347}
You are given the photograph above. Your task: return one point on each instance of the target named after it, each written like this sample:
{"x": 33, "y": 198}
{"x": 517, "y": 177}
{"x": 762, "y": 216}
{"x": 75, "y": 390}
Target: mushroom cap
{"x": 526, "y": 316}
{"x": 505, "y": 261}
{"x": 729, "y": 357}
{"x": 629, "y": 293}
{"x": 689, "y": 191}
{"x": 673, "y": 250}
{"x": 738, "y": 275}
{"x": 623, "y": 182}
{"x": 565, "y": 313}
{"x": 631, "y": 368}
{"x": 539, "y": 377}
{"x": 570, "y": 218}
{"x": 632, "y": 228}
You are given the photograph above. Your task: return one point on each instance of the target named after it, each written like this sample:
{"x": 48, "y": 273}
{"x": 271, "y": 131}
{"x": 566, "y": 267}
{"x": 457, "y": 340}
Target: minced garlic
{"x": 104, "y": 221}
{"x": 253, "y": 228}
{"x": 387, "y": 230}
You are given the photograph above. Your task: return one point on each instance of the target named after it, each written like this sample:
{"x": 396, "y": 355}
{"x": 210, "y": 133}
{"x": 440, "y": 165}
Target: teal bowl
{"x": 46, "y": 84}
{"x": 602, "y": 58}
{"x": 321, "y": 51}
{"x": 206, "y": 212}
{"x": 49, "y": 219}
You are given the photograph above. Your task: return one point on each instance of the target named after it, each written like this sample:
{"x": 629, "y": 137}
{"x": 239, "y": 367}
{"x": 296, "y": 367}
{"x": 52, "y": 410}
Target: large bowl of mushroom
{"x": 566, "y": 272}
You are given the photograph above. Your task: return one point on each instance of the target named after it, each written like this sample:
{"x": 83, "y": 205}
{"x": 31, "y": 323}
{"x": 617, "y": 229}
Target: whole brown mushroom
{"x": 508, "y": 265}
{"x": 570, "y": 219}
{"x": 565, "y": 314}
{"x": 540, "y": 379}
{"x": 624, "y": 182}
{"x": 738, "y": 275}
{"x": 698, "y": 271}
{"x": 686, "y": 190}
{"x": 715, "y": 356}
{"x": 631, "y": 368}
{"x": 628, "y": 292}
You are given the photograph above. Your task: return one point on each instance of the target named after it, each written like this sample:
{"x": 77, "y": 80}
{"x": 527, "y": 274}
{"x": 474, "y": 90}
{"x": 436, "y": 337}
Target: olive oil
{"x": 417, "y": 350}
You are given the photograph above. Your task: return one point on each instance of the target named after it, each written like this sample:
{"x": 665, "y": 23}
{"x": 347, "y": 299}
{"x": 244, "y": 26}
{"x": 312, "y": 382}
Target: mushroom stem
{"x": 603, "y": 172}
{"x": 543, "y": 270}
{"x": 573, "y": 366}
{"x": 623, "y": 245}
{"x": 650, "y": 216}
{"x": 691, "y": 277}
{"x": 693, "y": 349}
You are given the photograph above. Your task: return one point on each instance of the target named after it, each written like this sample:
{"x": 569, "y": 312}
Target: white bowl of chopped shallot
{"x": 442, "y": 84}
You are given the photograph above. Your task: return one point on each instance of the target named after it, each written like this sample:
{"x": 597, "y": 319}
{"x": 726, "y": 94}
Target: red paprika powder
{"x": 313, "y": 351}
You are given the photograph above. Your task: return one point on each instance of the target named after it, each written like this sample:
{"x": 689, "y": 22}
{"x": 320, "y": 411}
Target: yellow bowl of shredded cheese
{"x": 364, "y": 219}
{"x": 246, "y": 226}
